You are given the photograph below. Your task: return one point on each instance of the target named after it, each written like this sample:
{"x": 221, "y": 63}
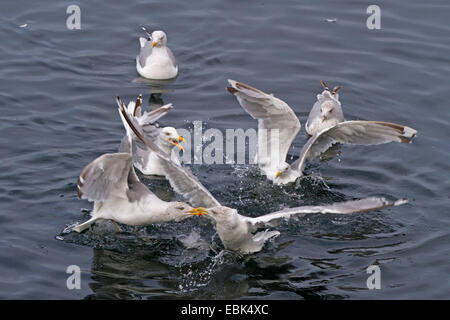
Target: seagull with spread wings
{"x": 278, "y": 126}
{"x": 167, "y": 138}
{"x": 112, "y": 184}
{"x": 237, "y": 232}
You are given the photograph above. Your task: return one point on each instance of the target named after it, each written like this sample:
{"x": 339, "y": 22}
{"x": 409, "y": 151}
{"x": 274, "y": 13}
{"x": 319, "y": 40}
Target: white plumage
{"x": 237, "y": 232}
{"x": 155, "y": 60}
{"x": 278, "y": 126}
{"x": 166, "y": 138}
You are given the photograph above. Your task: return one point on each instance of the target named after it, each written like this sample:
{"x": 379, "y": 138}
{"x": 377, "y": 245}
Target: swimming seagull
{"x": 112, "y": 184}
{"x": 237, "y": 232}
{"x": 155, "y": 60}
{"x": 167, "y": 138}
{"x": 278, "y": 126}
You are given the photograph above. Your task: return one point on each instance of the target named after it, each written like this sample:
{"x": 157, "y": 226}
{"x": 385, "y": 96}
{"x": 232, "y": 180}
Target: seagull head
{"x": 326, "y": 109}
{"x": 282, "y": 170}
{"x": 178, "y": 208}
{"x": 170, "y": 138}
{"x": 159, "y": 38}
{"x": 219, "y": 213}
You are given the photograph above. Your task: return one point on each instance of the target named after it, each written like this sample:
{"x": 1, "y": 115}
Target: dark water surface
{"x": 58, "y": 114}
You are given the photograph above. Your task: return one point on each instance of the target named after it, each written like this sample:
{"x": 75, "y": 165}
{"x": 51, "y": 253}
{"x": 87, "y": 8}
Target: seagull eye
{"x": 167, "y": 134}
{"x": 180, "y": 208}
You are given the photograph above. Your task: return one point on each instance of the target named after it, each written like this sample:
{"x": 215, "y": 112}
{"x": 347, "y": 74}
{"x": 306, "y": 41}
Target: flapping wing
{"x": 353, "y": 132}
{"x": 153, "y": 116}
{"x": 181, "y": 179}
{"x": 147, "y": 121}
{"x": 104, "y": 177}
{"x": 271, "y": 113}
{"x": 347, "y": 207}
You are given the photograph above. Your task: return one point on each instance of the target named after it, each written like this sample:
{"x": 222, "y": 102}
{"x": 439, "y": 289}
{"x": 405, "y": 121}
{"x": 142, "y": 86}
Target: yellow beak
{"x": 278, "y": 174}
{"x": 153, "y": 44}
{"x": 181, "y": 139}
{"x": 176, "y": 144}
{"x": 200, "y": 211}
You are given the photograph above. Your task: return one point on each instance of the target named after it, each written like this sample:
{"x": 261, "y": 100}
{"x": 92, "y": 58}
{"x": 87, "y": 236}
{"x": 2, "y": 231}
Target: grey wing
{"x": 180, "y": 178}
{"x": 171, "y": 56}
{"x": 151, "y": 129}
{"x": 353, "y": 132}
{"x": 347, "y": 207}
{"x": 145, "y": 52}
{"x": 185, "y": 183}
{"x": 153, "y": 116}
{"x": 104, "y": 177}
{"x": 125, "y": 145}
{"x": 271, "y": 113}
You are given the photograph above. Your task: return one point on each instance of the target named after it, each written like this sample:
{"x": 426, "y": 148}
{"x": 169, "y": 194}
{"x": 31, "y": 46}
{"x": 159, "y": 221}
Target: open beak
{"x": 200, "y": 211}
{"x": 278, "y": 174}
{"x": 176, "y": 143}
{"x": 153, "y": 44}
{"x": 181, "y": 139}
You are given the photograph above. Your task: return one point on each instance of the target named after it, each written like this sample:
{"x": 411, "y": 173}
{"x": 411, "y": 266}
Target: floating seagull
{"x": 278, "y": 126}
{"x": 238, "y": 232}
{"x": 112, "y": 184}
{"x": 155, "y": 60}
{"x": 166, "y": 138}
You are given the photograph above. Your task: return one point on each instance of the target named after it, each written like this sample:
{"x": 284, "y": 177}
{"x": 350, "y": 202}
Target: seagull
{"x": 167, "y": 137}
{"x": 110, "y": 181}
{"x": 155, "y": 60}
{"x": 278, "y": 126}
{"x": 326, "y": 111}
{"x": 238, "y": 232}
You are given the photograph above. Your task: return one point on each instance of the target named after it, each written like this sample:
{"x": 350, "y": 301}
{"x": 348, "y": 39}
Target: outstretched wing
{"x": 104, "y": 177}
{"x": 147, "y": 121}
{"x": 130, "y": 143}
{"x": 272, "y": 114}
{"x": 353, "y": 132}
{"x": 153, "y": 116}
{"x": 347, "y": 207}
{"x": 181, "y": 179}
